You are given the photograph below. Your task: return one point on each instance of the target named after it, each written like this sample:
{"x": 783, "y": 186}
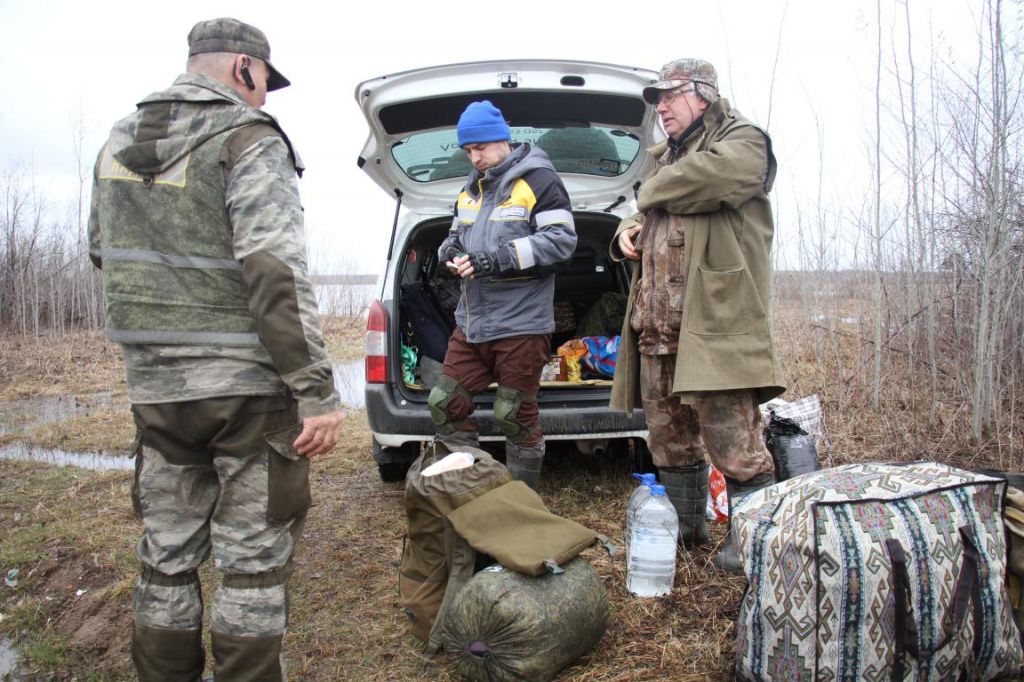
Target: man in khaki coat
{"x": 697, "y": 347}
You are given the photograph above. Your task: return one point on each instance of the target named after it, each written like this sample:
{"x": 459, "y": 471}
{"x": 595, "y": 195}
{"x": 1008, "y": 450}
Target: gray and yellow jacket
{"x": 523, "y": 204}
{"x": 197, "y": 225}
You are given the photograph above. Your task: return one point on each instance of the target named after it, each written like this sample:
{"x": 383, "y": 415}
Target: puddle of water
{"x": 8, "y": 659}
{"x": 85, "y": 460}
{"x": 350, "y": 380}
{"x": 18, "y": 415}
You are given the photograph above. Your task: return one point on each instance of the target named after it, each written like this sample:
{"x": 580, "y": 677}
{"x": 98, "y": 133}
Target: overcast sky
{"x": 63, "y": 61}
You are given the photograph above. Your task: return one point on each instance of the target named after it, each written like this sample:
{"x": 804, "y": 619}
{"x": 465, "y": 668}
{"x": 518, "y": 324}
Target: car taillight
{"x": 376, "y": 344}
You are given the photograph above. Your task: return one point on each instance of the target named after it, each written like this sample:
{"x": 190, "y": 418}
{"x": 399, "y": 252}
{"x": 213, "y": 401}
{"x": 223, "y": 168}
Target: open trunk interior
{"x": 590, "y": 300}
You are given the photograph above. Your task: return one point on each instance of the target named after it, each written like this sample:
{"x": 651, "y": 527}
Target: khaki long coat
{"x": 716, "y": 193}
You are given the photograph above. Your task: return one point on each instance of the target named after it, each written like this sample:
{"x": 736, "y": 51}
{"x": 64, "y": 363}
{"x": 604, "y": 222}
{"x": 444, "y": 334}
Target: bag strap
{"x": 905, "y": 626}
{"x": 966, "y": 592}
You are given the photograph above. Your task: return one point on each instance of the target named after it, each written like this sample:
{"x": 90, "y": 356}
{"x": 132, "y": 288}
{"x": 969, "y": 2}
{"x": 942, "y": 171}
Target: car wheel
{"x": 394, "y": 463}
{"x": 392, "y": 473}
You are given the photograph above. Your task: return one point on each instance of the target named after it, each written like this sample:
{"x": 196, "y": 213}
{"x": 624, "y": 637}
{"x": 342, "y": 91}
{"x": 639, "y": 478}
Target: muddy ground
{"x": 69, "y": 534}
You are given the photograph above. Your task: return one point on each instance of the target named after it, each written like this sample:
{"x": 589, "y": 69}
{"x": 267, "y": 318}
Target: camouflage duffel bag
{"x": 876, "y": 572}
{"x": 505, "y": 626}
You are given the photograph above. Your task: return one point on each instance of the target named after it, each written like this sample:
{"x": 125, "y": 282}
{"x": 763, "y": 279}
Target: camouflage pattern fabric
{"x": 218, "y": 476}
{"x": 679, "y": 73}
{"x": 604, "y": 318}
{"x": 658, "y": 305}
{"x": 505, "y": 626}
{"x": 244, "y": 253}
{"x": 231, "y": 35}
{"x": 724, "y": 424}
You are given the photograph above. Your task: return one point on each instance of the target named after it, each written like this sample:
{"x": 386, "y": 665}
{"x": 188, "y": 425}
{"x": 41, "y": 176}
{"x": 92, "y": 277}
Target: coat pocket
{"x": 719, "y": 302}
{"x": 288, "y": 494}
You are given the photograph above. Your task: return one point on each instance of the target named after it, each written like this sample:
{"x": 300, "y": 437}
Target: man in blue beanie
{"x": 513, "y": 227}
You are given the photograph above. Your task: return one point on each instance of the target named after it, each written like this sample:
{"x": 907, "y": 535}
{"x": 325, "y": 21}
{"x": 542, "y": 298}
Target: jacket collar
{"x": 713, "y": 119}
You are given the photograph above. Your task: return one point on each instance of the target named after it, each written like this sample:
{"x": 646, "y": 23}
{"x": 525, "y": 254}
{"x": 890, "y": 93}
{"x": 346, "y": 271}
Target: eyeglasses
{"x": 667, "y": 96}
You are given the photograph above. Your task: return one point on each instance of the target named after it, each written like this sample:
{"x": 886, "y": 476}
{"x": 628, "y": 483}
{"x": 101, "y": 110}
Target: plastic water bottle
{"x": 636, "y": 498}
{"x": 651, "y": 567}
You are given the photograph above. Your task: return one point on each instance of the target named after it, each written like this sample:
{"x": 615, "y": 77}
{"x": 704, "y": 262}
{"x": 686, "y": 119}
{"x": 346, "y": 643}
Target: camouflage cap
{"x": 682, "y": 71}
{"x": 232, "y": 35}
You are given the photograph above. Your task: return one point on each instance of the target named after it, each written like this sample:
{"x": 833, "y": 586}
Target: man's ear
{"x": 241, "y": 71}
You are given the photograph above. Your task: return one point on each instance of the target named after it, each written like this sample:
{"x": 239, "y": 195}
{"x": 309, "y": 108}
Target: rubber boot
{"x": 729, "y": 559}
{"x": 460, "y": 438}
{"x": 162, "y": 655}
{"x": 253, "y": 659}
{"x": 524, "y": 462}
{"x": 687, "y": 490}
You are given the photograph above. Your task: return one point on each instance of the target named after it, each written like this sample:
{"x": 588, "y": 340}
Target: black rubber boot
{"x": 255, "y": 659}
{"x": 687, "y": 490}
{"x": 729, "y": 559}
{"x": 162, "y": 655}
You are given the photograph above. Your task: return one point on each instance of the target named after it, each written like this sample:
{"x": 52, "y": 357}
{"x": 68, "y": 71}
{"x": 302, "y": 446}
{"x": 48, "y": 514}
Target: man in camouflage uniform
{"x": 197, "y": 225}
{"x": 698, "y": 312}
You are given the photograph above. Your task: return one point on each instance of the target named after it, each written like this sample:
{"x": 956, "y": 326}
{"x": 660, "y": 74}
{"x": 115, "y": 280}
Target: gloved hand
{"x": 483, "y": 263}
{"x": 487, "y": 263}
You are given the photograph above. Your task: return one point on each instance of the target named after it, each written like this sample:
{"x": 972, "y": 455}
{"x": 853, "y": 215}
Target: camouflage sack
{"x": 508, "y": 627}
{"x": 876, "y": 572}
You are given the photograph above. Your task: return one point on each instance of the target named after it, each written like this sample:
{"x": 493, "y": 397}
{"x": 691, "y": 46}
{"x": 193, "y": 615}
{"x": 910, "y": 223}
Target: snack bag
{"x": 572, "y": 350}
{"x": 718, "y": 497}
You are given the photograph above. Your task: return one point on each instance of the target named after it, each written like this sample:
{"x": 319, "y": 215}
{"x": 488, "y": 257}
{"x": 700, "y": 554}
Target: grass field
{"x": 70, "y": 533}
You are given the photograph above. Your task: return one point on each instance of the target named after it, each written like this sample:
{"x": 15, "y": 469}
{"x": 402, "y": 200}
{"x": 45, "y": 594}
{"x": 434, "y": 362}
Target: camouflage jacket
{"x": 196, "y": 215}
{"x": 711, "y": 201}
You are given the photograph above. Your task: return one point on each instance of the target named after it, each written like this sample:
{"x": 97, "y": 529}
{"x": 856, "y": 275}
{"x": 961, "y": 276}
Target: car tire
{"x": 394, "y": 463}
{"x": 392, "y": 473}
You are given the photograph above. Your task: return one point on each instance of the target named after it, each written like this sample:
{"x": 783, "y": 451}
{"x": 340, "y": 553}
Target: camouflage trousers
{"x": 724, "y": 425}
{"x": 217, "y": 475}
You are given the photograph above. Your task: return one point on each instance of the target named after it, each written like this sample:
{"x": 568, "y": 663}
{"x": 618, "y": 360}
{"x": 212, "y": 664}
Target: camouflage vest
{"x": 169, "y": 269}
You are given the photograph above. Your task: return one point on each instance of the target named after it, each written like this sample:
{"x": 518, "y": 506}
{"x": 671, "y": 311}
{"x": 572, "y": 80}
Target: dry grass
{"x": 68, "y": 528}
{"x": 344, "y": 338}
{"x": 80, "y": 363}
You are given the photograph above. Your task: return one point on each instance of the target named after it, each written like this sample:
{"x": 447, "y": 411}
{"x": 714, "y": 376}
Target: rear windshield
{"x": 607, "y": 152}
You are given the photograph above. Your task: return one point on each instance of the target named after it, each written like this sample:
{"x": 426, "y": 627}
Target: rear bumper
{"x": 397, "y": 422}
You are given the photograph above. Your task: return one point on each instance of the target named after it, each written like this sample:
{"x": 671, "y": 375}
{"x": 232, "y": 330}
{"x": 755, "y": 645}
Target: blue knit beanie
{"x": 482, "y": 122}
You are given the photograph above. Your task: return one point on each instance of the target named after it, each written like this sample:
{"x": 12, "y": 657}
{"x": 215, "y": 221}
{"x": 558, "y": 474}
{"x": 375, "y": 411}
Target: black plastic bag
{"x": 428, "y": 329}
{"x": 792, "y": 448}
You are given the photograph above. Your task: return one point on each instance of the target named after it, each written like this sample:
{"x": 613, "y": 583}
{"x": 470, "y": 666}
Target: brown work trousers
{"x": 724, "y": 425}
{"x": 513, "y": 362}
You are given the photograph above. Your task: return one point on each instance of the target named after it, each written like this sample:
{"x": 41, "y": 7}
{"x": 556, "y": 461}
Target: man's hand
{"x": 627, "y": 242}
{"x": 319, "y": 434}
{"x": 476, "y": 264}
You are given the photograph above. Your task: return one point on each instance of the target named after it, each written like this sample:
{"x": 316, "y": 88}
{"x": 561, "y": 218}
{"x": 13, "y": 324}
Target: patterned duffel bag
{"x": 876, "y": 572}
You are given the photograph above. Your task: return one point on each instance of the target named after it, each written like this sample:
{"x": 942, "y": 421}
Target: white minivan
{"x": 592, "y": 121}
